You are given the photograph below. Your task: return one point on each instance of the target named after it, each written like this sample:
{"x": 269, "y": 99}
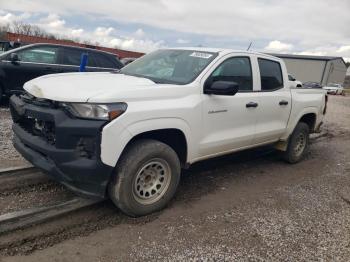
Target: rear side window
{"x": 73, "y": 57}
{"x": 41, "y": 54}
{"x": 270, "y": 74}
{"x": 235, "y": 69}
{"x": 106, "y": 61}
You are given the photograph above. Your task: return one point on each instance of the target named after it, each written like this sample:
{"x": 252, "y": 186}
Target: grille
{"x": 36, "y": 127}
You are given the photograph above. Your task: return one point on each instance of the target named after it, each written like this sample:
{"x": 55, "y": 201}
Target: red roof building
{"x": 25, "y": 39}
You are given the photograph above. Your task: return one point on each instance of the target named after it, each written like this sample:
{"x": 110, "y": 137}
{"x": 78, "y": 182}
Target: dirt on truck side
{"x": 245, "y": 206}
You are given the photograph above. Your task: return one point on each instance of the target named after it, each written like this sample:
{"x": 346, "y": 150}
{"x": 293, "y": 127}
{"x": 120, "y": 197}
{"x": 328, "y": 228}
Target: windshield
{"x": 170, "y": 66}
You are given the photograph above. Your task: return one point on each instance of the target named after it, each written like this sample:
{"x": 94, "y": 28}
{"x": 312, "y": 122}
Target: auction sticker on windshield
{"x": 201, "y": 55}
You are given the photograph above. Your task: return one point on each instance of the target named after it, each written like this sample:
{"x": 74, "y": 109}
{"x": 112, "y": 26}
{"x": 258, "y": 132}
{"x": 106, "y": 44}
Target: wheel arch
{"x": 308, "y": 117}
{"x": 171, "y": 131}
{"x": 310, "y": 120}
{"x": 172, "y": 137}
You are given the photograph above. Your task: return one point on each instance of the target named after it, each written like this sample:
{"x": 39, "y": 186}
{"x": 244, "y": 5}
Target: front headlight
{"x": 96, "y": 111}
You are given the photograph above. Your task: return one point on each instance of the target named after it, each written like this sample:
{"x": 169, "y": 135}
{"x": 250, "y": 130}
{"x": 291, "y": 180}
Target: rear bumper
{"x": 71, "y": 154}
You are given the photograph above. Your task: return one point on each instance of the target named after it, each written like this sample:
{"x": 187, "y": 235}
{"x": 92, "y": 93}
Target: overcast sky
{"x": 320, "y": 27}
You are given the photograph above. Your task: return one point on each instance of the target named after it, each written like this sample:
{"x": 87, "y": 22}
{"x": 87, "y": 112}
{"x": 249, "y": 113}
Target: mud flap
{"x": 281, "y": 145}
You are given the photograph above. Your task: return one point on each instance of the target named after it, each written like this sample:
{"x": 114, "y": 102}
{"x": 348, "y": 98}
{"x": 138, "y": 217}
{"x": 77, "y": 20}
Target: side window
{"x": 104, "y": 61}
{"x": 235, "y": 69}
{"x": 92, "y": 60}
{"x": 270, "y": 74}
{"x": 41, "y": 54}
{"x": 71, "y": 56}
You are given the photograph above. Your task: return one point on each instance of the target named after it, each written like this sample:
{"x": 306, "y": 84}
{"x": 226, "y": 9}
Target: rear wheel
{"x": 146, "y": 178}
{"x": 298, "y": 144}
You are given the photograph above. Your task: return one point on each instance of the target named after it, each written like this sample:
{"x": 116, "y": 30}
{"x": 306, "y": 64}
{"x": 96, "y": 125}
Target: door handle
{"x": 283, "y": 103}
{"x": 251, "y": 104}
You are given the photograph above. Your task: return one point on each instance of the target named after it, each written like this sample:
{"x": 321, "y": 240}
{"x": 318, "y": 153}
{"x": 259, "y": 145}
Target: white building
{"x": 347, "y": 78}
{"x": 321, "y": 69}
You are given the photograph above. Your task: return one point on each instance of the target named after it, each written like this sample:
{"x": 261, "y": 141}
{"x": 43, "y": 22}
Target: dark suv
{"x": 25, "y": 63}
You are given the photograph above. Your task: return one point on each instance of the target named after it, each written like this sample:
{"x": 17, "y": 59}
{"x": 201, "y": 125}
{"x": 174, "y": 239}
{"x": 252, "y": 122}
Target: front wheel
{"x": 298, "y": 144}
{"x": 146, "y": 178}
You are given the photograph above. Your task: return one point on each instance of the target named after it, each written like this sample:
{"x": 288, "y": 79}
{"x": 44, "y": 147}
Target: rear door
{"x": 274, "y": 101}
{"x": 33, "y": 62}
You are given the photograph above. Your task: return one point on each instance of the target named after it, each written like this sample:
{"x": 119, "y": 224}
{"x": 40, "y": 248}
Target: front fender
{"x": 115, "y": 138}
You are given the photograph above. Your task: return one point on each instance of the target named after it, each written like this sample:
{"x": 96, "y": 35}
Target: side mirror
{"x": 223, "y": 88}
{"x": 14, "y": 57}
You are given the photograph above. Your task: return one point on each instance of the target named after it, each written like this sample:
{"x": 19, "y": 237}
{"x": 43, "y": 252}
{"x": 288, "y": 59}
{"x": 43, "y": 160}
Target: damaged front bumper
{"x": 64, "y": 147}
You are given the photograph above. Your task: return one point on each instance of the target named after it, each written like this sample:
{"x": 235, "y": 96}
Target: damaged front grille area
{"x": 36, "y": 127}
{"x": 47, "y": 120}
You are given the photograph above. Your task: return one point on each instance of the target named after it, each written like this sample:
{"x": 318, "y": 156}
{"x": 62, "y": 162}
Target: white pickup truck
{"x": 127, "y": 134}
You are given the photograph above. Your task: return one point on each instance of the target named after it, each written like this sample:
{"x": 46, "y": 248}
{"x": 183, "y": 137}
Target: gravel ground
{"x": 9, "y": 157}
{"x": 248, "y": 206}
{"x": 36, "y": 195}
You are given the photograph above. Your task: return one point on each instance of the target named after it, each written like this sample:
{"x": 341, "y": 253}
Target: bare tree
{"x": 16, "y": 27}
{"x": 87, "y": 42}
{"x": 19, "y": 27}
{"x": 37, "y": 31}
{"x": 26, "y": 29}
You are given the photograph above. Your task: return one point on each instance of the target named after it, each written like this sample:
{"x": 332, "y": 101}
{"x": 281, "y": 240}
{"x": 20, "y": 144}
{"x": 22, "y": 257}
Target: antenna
{"x": 249, "y": 46}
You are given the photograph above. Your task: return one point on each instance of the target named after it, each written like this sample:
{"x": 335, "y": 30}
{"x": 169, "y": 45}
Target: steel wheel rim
{"x": 152, "y": 181}
{"x": 300, "y": 144}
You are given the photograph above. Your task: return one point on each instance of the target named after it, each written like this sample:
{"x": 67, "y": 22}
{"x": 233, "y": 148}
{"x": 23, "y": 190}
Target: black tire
{"x": 1, "y": 94}
{"x": 128, "y": 187}
{"x": 297, "y": 148}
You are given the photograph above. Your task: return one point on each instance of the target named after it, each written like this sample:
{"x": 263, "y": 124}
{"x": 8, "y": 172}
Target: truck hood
{"x": 84, "y": 87}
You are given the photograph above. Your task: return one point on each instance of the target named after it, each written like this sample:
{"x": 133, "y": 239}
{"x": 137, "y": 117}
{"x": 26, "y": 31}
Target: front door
{"x": 33, "y": 62}
{"x": 229, "y": 121}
